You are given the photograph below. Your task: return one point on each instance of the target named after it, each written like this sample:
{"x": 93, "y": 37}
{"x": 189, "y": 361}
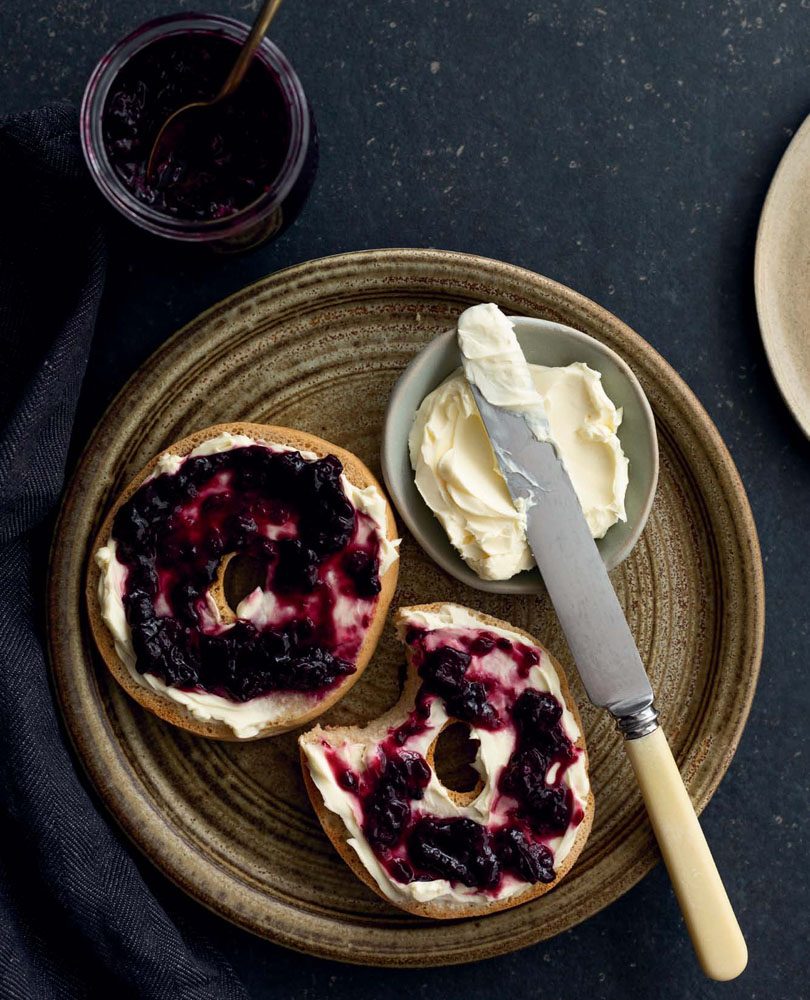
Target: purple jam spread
{"x": 225, "y": 158}
{"x": 318, "y": 554}
{"x": 415, "y": 846}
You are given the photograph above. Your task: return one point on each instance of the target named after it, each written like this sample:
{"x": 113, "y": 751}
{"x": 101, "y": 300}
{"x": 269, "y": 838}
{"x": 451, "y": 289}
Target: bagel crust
{"x": 164, "y": 706}
{"x": 376, "y": 730}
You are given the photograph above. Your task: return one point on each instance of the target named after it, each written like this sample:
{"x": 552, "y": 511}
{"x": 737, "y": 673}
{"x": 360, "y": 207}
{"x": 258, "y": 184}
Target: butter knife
{"x": 614, "y": 677}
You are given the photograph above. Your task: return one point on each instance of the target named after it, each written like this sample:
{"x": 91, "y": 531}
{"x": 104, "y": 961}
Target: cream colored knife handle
{"x": 714, "y": 930}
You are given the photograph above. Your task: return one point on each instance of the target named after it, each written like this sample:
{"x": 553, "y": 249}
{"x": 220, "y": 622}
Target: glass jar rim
{"x": 95, "y": 152}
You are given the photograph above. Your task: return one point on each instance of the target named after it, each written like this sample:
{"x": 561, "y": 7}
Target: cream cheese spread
{"x": 495, "y": 747}
{"x": 246, "y": 719}
{"x": 457, "y": 473}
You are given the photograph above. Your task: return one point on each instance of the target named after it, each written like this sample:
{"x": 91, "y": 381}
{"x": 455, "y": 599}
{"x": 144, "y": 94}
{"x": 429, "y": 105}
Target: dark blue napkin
{"x": 76, "y": 917}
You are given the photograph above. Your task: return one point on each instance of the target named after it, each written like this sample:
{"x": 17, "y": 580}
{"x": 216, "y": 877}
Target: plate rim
{"x": 798, "y": 405}
{"x": 121, "y": 808}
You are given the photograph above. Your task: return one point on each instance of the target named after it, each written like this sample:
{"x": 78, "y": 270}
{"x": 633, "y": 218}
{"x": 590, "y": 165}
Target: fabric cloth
{"x": 76, "y": 917}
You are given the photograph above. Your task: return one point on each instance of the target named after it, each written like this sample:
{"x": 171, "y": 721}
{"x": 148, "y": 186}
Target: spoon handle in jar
{"x": 253, "y": 41}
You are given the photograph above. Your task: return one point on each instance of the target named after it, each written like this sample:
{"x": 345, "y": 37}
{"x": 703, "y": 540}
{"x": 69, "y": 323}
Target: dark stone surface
{"x": 624, "y": 149}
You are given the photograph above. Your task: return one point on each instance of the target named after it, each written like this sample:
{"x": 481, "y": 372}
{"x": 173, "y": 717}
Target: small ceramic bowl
{"x": 543, "y": 343}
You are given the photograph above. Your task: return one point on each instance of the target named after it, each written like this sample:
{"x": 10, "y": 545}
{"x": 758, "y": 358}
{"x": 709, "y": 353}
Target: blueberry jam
{"x": 444, "y": 672}
{"x": 294, "y": 518}
{"x": 541, "y": 743}
{"x": 221, "y": 160}
{"x": 533, "y": 804}
{"x": 399, "y": 777}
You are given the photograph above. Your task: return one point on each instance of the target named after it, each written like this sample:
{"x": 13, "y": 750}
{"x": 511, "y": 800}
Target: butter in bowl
{"x": 443, "y": 477}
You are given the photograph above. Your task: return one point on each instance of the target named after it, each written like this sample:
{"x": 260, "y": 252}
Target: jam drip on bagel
{"x": 317, "y": 553}
{"x": 484, "y": 680}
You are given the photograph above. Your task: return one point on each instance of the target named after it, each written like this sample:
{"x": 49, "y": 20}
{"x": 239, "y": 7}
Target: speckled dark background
{"x": 622, "y": 148}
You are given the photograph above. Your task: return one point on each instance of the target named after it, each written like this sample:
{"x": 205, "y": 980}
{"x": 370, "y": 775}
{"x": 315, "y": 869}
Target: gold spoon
{"x": 235, "y": 77}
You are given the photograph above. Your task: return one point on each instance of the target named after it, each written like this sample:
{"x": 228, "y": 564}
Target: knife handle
{"x": 710, "y": 920}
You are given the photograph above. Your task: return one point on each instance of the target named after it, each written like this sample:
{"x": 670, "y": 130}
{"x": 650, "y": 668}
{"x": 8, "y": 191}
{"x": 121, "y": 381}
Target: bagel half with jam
{"x": 427, "y": 849}
{"x": 309, "y": 524}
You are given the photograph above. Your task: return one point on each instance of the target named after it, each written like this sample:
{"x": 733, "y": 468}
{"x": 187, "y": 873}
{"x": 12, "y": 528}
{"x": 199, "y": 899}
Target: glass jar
{"x": 273, "y": 210}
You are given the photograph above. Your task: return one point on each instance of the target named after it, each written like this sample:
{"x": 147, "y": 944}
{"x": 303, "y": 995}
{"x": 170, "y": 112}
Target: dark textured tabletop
{"x": 624, "y": 149}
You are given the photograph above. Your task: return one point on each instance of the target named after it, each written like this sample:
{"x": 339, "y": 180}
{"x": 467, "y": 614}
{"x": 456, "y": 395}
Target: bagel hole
{"x": 453, "y": 756}
{"x": 243, "y": 574}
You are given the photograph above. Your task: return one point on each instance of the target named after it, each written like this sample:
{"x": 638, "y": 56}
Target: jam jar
{"x": 237, "y": 175}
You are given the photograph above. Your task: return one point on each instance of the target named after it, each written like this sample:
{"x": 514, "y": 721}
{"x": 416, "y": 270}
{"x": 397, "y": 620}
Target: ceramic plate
{"x": 319, "y": 347}
{"x": 782, "y": 276}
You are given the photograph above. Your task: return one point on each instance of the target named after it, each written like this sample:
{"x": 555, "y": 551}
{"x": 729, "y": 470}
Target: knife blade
{"x": 614, "y": 677}
{"x": 569, "y": 562}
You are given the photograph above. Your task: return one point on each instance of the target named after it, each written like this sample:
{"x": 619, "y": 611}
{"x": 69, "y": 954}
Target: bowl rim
{"x": 528, "y": 581}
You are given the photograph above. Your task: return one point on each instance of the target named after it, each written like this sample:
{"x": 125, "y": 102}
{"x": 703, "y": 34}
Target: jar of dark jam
{"x": 244, "y": 178}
